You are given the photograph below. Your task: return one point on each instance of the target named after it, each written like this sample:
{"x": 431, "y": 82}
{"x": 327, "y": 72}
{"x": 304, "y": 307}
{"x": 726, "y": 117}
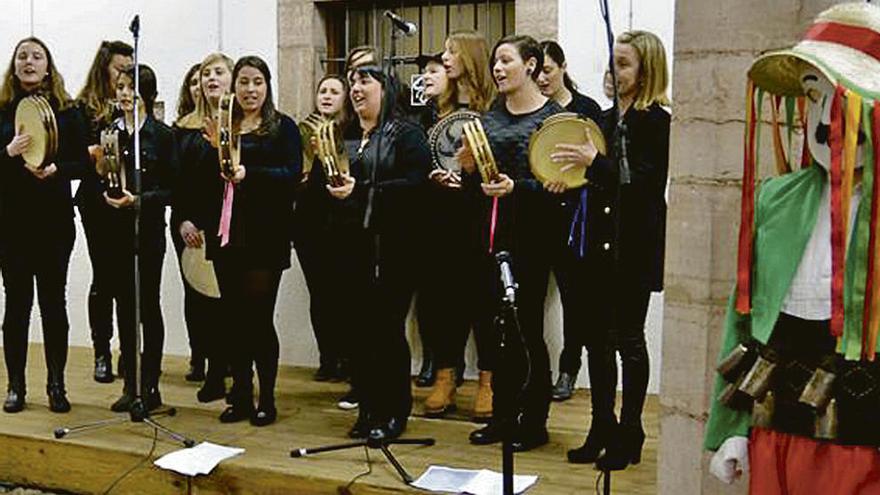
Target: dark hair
{"x": 52, "y": 86}
{"x": 147, "y": 84}
{"x": 391, "y": 107}
{"x": 99, "y": 89}
{"x": 269, "y": 116}
{"x": 554, "y": 51}
{"x": 359, "y": 52}
{"x": 527, "y": 47}
{"x": 185, "y": 101}
{"x": 346, "y": 112}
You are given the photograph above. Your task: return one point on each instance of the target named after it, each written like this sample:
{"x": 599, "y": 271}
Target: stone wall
{"x": 301, "y": 44}
{"x": 715, "y": 42}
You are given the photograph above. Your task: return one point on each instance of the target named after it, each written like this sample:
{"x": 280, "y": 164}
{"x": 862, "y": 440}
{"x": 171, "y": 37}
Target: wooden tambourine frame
{"x": 34, "y": 117}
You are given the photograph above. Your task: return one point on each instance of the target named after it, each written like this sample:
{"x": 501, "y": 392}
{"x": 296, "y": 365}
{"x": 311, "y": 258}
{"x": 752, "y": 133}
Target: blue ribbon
{"x": 577, "y": 232}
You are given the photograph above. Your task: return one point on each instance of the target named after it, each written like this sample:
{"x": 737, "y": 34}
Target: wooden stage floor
{"x": 89, "y": 462}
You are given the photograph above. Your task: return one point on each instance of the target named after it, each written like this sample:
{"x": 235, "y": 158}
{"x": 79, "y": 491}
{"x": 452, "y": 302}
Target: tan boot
{"x": 441, "y": 400}
{"x": 483, "y": 398}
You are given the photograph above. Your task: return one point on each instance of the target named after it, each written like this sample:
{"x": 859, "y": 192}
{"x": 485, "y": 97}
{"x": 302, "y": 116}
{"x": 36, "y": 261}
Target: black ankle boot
{"x": 596, "y": 442}
{"x": 626, "y": 449}
{"x": 15, "y": 396}
{"x": 361, "y": 427}
{"x": 103, "y": 369}
{"x": 428, "y": 374}
{"x": 57, "y": 398}
{"x": 196, "y": 371}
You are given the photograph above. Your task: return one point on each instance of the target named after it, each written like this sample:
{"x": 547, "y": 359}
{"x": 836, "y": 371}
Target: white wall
{"x": 582, "y": 35}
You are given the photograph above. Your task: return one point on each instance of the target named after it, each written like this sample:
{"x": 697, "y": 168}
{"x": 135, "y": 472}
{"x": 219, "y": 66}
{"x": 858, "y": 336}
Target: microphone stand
{"x": 138, "y": 412}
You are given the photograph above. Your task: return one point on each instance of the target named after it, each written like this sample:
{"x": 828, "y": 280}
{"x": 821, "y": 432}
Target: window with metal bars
{"x": 354, "y": 23}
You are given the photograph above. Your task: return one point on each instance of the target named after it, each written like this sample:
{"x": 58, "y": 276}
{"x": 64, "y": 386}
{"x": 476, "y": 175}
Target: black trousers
{"x": 248, "y": 297}
{"x": 381, "y": 364}
{"x": 325, "y": 260}
{"x": 458, "y": 293}
{"x": 100, "y": 302}
{"x": 122, "y": 289}
{"x": 46, "y": 263}
{"x": 201, "y": 315}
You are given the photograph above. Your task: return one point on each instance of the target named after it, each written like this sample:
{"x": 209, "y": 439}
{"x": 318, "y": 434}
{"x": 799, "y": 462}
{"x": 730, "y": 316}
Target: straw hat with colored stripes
{"x": 843, "y": 43}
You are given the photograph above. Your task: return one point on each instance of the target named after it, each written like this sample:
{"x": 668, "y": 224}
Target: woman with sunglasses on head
{"x": 618, "y": 310}
{"x": 247, "y": 218}
{"x": 466, "y": 268}
{"x": 156, "y": 176}
{"x": 36, "y": 221}
{"x": 377, "y": 205}
{"x": 518, "y": 224}
{"x": 97, "y": 103}
{"x": 193, "y": 150}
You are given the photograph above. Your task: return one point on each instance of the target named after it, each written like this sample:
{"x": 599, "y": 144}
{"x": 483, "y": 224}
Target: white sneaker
{"x": 348, "y": 401}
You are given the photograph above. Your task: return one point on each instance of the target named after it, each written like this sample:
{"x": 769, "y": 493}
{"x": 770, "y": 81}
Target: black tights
{"x": 248, "y": 298}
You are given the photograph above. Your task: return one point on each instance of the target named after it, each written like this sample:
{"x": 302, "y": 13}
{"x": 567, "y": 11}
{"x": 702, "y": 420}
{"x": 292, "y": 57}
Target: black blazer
{"x": 642, "y": 235}
{"x": 32, "y": 210}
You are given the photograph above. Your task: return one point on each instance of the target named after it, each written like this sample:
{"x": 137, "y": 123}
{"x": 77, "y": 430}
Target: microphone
{"x": 505, "y": 262}
{"x": 408, "y": 28}
{"x": 135, "y": 25}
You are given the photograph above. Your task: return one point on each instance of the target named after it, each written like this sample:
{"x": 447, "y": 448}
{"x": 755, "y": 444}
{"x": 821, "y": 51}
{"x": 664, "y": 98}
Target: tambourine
{"x": 34, "y": 117}
{"x": 445, "y": 138}
{"x": 227, "y": 137}
{"x": 562, "y": 128}
{"x": 199, "y": 271}
{"x": 482, "y": 151}
{"x": 332, "y": 153}
{"x": 110, "y": 166}
{"x": 308, "y": 128}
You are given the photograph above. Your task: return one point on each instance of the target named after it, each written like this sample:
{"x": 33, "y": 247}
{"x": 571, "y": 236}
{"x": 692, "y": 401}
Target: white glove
{"x": 731, "y": 461}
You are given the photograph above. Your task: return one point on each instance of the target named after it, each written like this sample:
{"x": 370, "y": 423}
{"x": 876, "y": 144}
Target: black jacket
{"x": 642, "y": 208}
{"x": 33, "y": 210}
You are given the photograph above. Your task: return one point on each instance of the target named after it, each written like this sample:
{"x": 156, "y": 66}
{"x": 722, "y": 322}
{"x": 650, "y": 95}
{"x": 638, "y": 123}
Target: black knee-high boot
{"x": 603, "y": 382}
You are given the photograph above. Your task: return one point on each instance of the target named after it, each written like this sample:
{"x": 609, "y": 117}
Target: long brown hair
{"x": 185, "y": 101}
{"x": 99, "y": 91}
{"x": 346, "y": 112}
{"x": 473, "y": 52}
{"x": 269, "y": 116}
{"x": 52, "y": 86}
{"x": 196, "y": 118}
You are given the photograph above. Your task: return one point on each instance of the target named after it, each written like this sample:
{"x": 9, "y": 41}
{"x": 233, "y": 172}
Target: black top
{"x": 394, "y": 163}
{"x": 35, "y": 211}
{"x": 586, "y": 106}
{"x": 263, "y": 201}
{"x": 157, "y": 175}
{"x": 508, "y": 136}
{"x": 642, "y": 236}
{"x": 90, "y": 188}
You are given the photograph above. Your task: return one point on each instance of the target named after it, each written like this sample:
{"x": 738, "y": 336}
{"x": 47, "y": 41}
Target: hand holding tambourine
{"x": 345, "y": 189}
{"x": 44, "y": 172}
{"x": 19, "y": 144}
{"x": 575, "y": 155}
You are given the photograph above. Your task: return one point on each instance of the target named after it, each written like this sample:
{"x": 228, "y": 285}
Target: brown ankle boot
{"x": 441, "y": 400}
{"x": 483, "y": 398}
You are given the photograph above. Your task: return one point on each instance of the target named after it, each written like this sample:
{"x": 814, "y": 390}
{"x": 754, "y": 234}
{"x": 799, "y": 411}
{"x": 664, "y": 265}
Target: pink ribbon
{"x": 226, "y": 214}
{"x": 492, "y": 225}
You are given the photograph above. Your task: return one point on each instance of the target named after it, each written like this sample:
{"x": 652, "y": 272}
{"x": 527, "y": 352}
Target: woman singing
{"x": 378, "y": 205}
{"x": 555, "y": 83}
{"x": 96, "y": 102}
{"x": 618, "y": 308}
{"x": 316, "y": 244}
{"x": 156, "y": 175}
{"x": 522, "y": 208}
{"x": 247, "y": 217}
{"x": 466, "y": 268}
{"x": 190, "y": 93}
{"x": 200, "y": 311}
{"x": 36, "y": 222}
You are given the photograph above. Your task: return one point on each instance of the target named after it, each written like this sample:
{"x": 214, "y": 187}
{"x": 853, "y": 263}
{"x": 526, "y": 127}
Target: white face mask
{"x": 820, "y": 95}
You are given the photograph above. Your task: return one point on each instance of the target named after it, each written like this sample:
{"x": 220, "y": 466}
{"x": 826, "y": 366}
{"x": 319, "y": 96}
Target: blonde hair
{"x": 653, "y": 75}
{"x": 52, "y": 86}
{"x": 196, "y": 118}
{"x": 473, "y": 52}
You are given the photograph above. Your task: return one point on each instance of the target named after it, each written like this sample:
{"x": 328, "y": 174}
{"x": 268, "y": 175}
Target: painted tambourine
{"x": 227, "y": 137}
{"x": 199, "y": 271}
{"x": 562, "y": 128}
{"x": 445, "y": 138}
{"x": 34, "y": 117}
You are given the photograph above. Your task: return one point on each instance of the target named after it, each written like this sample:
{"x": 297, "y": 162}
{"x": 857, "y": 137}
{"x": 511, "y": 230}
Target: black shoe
{"x": 264, "y": 416}
{"x": 361, "y": 427}
{"x": 486, "y": 435}
{"x": 14, "y": 400}
{"x": 234, "y": 414}
{"x": 530, "y": 438}
{"x": 597, "y": 441}
{"x": 389, "y": 430}
{"x": 123, "y": 403}
{"x": 58, "y": 398}
{"x": 564, "y": 387}
{"x": 103, "y": 369}
{"x": 152, "y": 399}
{"x": 211, "y": 392}
{"x": 427, "y": 375}
{"x": 625, "y": 450}
{"x": 196, "y": 373}
{"x": 325, "y": 373}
